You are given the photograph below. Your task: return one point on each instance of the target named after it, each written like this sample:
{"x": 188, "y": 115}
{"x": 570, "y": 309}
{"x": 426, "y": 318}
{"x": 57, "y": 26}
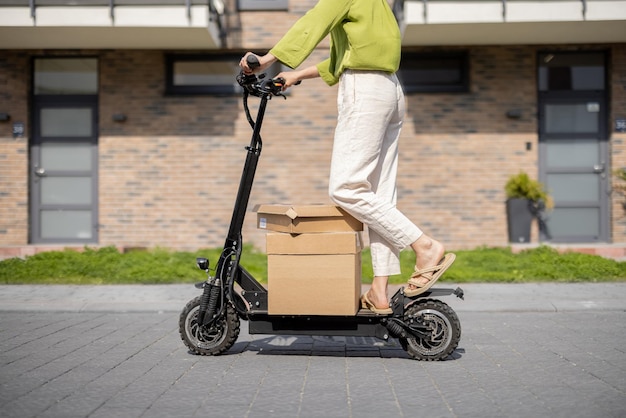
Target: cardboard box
{"x": 305, "y": 219}
{"x": 305, "y": 278}
{"x": 321, "y": 243}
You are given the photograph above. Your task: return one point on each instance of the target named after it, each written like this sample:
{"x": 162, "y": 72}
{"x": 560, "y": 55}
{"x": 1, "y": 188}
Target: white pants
{"x": 365, "y": 162}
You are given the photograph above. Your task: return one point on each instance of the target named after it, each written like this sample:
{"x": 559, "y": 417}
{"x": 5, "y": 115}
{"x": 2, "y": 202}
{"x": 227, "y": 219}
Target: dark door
{"x": 64, "y": 152}
{"x": 573, "y": 150}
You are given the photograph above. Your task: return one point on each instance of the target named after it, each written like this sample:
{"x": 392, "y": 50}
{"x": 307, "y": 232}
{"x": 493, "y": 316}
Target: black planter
{"x": 519, "y": 218}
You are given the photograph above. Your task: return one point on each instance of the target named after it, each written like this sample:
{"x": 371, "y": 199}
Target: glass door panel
{"x": 66, "y": 122}
{"x": 573, "y": 224}
{"x": 574, "y": 187}
{"x": 66, "y": 156}
{"x": 68, "y": 224}
{"x": 66, "y": 191}
{"x": 572, "y": 118}
{"x": 561, "y": 153}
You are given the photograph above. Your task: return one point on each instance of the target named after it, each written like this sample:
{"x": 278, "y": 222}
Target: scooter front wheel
{"x": 210, "y": 340}
{"x": 444, "y": 330}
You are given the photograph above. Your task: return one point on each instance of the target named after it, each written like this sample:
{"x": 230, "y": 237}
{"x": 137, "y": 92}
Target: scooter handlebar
{"x": 257, "y": 85}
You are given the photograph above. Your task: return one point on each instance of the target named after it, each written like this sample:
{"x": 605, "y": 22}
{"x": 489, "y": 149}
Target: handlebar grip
{"x": 253, "y": 61}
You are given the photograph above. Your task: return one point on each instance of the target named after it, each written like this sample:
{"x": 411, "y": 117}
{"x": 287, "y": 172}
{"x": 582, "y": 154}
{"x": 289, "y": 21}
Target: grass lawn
{"x": 109, "y": 266}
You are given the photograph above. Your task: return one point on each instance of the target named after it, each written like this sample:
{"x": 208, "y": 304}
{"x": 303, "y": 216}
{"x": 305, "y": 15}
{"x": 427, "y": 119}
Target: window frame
{"x": 541, "y": 78}
{"x": 210, "y": 89}
{"x": 463, "y": 86}
{"x": 199, "y": 89}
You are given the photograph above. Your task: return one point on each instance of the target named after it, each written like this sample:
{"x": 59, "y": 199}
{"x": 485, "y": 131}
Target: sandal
{"x": 437, "y": 271}
{"x": 366, "y": 303}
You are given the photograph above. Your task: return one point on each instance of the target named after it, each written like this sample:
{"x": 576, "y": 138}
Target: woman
{"x": 364, "y": 56}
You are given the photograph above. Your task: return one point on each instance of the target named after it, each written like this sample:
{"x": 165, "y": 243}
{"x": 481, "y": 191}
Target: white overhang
{"x": 121, "y": 27}
{"x": 502, "y": 22}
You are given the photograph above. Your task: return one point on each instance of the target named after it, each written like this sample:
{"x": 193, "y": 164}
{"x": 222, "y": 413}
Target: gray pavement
{"x": 527, "y": 350}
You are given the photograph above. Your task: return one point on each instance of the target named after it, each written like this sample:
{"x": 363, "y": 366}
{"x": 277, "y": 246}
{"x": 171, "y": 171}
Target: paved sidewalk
{"x": 538, "y": 350}
{"x": 531, "y": 297}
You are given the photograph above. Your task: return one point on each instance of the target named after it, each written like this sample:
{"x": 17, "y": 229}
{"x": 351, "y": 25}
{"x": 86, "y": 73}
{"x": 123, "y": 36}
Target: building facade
{"x": 120, "y": 123}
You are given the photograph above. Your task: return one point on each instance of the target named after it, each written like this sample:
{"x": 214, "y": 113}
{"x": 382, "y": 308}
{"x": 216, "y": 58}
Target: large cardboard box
{"x": 314, "y": 274}
{"x": 305, "y": 219}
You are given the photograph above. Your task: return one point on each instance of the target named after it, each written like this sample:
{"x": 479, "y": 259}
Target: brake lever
{"x": 246, "y": 79}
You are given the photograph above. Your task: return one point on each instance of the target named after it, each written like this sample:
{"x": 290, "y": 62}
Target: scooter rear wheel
{"x": 215, "y": 339}
{"x": 444, "y": 326}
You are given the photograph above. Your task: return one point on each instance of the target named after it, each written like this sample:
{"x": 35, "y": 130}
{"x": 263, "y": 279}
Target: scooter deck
{"x": 364, "y": 323}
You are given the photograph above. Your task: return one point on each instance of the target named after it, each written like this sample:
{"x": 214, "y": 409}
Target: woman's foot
{"x": 366, "y": 303}
{"x": 428, "y": 253}
{"x": 379, "y": 301}
{"x": 377, "y": 294}
{"x": 430, "y": 274}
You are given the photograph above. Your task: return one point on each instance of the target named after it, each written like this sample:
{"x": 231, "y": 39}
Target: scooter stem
{"x": 247, "y": 178}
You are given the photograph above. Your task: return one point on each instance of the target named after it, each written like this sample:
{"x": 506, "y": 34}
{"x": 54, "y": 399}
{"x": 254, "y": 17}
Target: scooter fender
{"x": 400, "y": 302}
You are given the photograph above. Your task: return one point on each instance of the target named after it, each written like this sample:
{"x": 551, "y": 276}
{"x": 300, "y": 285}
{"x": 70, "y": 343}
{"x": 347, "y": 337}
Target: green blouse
{"x": 364, "y": 35}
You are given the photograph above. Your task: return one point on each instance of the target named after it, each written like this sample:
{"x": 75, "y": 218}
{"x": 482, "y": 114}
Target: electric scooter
{"x": 426, "y": 328}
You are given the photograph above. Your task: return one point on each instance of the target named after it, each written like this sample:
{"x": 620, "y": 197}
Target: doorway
{"x": 573, "y": 145}
{"x": 64, "y": 151}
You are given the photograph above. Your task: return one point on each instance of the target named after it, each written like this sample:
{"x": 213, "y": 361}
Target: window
{"x": 571, "y": 71}
{"x": 206, "y": 74}
{"x": 435, "y": 72}
{"x": 202, "y": 74}
{"x": 65, "y": 76}
{"x": 263, "y": 4}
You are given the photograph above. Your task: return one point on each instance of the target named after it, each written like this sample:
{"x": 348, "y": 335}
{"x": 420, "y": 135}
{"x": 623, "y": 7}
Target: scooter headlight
{"x": 202, "y": 263}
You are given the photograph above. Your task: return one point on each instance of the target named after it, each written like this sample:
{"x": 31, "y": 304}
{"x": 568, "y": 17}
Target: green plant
{"x": 521, "y": 186}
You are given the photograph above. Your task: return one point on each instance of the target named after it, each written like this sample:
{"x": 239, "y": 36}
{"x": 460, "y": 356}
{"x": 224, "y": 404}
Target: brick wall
{"x": 168, "y": 175}
{"x": 618, "y": 140}
{"x": 14, "y": 89}
{"x": 457, "y": 152}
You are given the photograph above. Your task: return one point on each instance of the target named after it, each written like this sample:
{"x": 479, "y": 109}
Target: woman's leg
{"x": 364, "y": 168}
{"x": 367, "y": 103}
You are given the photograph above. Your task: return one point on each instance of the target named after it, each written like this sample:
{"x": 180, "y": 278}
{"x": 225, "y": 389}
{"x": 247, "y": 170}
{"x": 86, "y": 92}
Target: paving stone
{"x": 563, "y": 362}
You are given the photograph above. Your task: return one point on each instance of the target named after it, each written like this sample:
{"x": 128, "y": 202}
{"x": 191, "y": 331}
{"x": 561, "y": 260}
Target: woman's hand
{"x": 294, "y": 77}
{"x": 264, "y": 62}
{"x": 290, "y": 77}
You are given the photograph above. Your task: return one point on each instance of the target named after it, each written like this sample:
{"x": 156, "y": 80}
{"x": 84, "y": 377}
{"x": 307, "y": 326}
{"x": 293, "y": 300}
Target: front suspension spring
{"x": 212, "y": 294}
{"x": 204, "y": 302}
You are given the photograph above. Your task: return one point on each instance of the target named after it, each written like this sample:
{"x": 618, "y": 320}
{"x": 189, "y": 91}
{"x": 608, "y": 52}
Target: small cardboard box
{"x": 305, "y": 219}
{"x": 314, "y": 274}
